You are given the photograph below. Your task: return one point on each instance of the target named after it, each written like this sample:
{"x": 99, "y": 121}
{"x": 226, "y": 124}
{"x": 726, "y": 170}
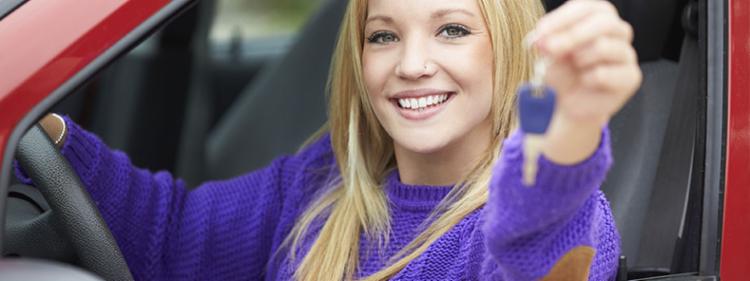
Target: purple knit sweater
{"x": 229, "y": 230}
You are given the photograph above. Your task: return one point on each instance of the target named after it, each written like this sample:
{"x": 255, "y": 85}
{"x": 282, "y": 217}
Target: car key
{"x": 536, "y": 104}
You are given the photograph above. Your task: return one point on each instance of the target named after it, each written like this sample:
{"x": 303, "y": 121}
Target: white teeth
{"x": 423, "y": 102}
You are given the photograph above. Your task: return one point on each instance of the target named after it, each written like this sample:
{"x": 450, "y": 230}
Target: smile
{"x": 422, "y": 102}
{"x": 420, "y": 105}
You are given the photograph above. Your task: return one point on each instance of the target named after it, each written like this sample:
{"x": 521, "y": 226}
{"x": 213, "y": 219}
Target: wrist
{"x": 572, "y": 140}
{"x": 580, "y": 120}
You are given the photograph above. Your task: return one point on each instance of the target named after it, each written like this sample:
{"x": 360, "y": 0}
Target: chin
{"x": 422, "y": 143}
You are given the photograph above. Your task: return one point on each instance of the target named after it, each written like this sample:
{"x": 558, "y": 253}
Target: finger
{"x": 568, "y": 14}
{"x": 604, "y": 50}
{"x": 617, "y": 78}
{"x": 563, "y": 76}
{"x": 599, "y": 25}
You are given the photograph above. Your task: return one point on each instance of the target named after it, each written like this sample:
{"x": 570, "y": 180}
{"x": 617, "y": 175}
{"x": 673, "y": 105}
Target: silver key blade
{"x": 532, "y": 149}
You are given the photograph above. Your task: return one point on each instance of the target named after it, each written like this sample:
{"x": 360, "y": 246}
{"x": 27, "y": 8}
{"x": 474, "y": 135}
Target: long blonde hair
{"x": 364, "y": 151}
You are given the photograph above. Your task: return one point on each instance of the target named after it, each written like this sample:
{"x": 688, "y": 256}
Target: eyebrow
{"x": 436, "y": 15}
{"x": 444, "y": 12}
{"x": 386, "y": 19}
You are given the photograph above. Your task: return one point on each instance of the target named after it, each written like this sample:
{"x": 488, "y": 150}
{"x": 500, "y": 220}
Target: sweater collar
{"x": 414, "y": 197}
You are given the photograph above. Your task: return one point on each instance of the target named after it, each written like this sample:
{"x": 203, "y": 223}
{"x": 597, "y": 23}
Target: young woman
{"x": 417, "y": 175}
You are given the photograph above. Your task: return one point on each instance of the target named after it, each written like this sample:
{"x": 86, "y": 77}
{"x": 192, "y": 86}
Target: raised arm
{"x": 561, "y": 228}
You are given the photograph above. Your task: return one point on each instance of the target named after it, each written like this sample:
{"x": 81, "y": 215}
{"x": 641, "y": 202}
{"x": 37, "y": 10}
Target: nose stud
{"x": 427, "y": 69}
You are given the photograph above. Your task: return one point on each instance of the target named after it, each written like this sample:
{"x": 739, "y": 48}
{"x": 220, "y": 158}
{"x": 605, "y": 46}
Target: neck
{"x": 445, "y": 166}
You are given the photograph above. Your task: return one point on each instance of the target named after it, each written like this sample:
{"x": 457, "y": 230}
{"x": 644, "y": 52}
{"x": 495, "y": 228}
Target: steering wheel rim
{"x": 76, "y": 216}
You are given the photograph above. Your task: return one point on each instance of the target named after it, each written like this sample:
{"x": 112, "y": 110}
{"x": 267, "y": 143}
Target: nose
{"x": 415, "y": 62}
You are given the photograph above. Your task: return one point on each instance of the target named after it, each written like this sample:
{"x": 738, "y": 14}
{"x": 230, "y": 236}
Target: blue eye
{"x": 452, "y": 31}
{"x": 382, "y": 37}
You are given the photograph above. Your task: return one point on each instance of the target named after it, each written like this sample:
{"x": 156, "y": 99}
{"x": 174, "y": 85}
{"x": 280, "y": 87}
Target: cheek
{"x": 482, "y": 81}
{"x": 472, "y": 70}
{"x": 479, "y": 65}
{"x": 482, "y": 85}
{"x": 375, "y": 72}
{"x": 474, "y": 73}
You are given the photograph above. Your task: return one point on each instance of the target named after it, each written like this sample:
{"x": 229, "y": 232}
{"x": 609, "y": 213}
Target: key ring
{"x": 540, "y": 65}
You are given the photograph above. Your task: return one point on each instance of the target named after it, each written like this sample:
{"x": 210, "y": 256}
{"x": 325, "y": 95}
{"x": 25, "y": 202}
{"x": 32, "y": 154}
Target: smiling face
{"x": 428, "y": 72}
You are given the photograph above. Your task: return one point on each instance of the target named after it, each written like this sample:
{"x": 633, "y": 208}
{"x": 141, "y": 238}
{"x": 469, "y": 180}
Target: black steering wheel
{"x": 74, "y": 213}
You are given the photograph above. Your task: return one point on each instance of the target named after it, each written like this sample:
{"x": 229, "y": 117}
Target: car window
{"x": 160, "y": 101}
{"x": 253, "y": 30}
{"x": 249, "y": 19}
{"x": 7, "y": 6}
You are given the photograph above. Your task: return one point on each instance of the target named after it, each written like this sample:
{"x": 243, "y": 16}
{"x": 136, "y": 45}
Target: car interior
{"x": 205, "y": 109}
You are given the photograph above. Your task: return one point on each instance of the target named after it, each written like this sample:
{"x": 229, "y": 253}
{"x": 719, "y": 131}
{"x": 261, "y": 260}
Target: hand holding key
{"x": 593, "y": 70}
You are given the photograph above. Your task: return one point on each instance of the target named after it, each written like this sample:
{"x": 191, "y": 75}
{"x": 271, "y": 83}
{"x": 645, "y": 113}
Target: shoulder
{"x": 289, "y": 176}
{"x": 318, "y": 152}
{"x": 313, "y": 162}
{"x": 309, "y": 172}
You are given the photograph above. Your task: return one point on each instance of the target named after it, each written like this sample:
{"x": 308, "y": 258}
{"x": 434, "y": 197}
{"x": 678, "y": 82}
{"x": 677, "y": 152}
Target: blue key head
{"x": 535, "y": 111}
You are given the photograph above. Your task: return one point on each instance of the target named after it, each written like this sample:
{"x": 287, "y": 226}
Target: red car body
{"x": 42, "y": 48}
{"x": 735, "y": 259}
{"x": 55, "y": 46}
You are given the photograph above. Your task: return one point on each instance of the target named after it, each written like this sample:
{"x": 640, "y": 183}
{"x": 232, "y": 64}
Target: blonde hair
{"x": 364, "y": 151}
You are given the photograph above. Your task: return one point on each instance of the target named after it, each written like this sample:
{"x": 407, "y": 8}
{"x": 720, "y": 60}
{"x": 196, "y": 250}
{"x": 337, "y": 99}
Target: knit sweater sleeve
{"x": 531, "y": 232}
{"x": 221, "y": 230}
